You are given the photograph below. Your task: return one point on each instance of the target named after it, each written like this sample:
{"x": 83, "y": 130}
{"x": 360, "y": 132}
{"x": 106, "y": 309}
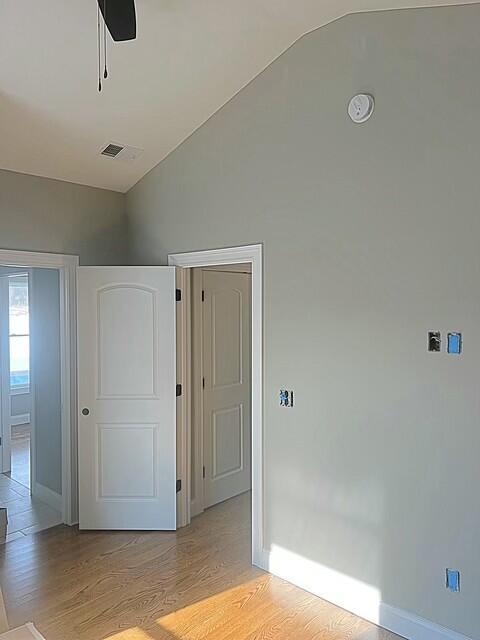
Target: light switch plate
{"x": 286, "y": 398}
{"x": 434, "y": 341}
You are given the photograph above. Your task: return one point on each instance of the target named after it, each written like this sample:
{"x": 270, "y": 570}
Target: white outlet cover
{"x": 360, "y": 107}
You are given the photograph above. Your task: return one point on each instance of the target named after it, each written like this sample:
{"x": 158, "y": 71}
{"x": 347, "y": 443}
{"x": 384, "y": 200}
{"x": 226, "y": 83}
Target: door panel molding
{"x": 236, "y": 410}
{"x": 251, "y": 254}
{"x": 237, "y": 379}
{"x": 120, "y": 470}
{"x": 131, "y": 316}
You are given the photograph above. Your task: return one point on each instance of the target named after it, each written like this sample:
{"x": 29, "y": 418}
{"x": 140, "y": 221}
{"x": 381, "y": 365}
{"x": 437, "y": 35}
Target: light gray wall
{"x": 371, "y": 238}
{"x": 38, "y": 214}
{"x": 45, "y": 342}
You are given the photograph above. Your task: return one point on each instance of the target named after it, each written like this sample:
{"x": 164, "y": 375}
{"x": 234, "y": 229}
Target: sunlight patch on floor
{"x": 135, "y": 633}
{"x": 264, "y": 607}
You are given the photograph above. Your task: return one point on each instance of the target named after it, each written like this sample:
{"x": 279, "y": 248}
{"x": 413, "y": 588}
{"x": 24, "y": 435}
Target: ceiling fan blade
{"x": 120, "y": 18}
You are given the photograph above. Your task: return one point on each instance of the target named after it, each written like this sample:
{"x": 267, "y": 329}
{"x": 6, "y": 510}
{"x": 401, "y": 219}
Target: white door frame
{"x": 67, "y": 266}
{"x": 247, "y": 254}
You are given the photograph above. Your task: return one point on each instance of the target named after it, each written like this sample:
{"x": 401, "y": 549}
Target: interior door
{"x": 227, "y": 393}
{"x": 127, "y": 400}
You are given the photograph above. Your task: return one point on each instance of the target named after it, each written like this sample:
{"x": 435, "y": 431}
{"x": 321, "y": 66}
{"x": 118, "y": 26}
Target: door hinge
{"x": 179, "y": 486}
{"x": 178, "y": 390}
{"x": 204, "y": 472}
{"x": 0, "y": 442}
{"x": 178, "y": 295}
{"x": 203, "y": 296}
{"x": 203, "y": 383}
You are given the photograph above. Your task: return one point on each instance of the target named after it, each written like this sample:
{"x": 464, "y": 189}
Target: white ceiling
{"x": 190, "y": 57}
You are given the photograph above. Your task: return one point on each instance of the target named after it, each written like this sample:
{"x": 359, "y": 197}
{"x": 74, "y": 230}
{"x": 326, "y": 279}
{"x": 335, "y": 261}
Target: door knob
{"x": 85, "y": 411}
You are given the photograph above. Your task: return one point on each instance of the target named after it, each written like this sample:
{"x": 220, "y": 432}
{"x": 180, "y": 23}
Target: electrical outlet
{"x": 452, "y": 580}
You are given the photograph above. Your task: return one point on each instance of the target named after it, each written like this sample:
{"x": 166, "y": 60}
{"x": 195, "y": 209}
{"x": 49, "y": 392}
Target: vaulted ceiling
{"x": 190, "y": 57}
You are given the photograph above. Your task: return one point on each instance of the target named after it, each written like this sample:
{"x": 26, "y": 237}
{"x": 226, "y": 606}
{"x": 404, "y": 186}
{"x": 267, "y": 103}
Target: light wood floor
{"x": 195, "y": 584}
{"x": 26, "y": 515}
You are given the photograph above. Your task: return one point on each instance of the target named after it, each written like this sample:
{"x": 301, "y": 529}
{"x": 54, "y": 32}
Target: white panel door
{"x": 127, "y": 402}
{"x": 227, "y": 393}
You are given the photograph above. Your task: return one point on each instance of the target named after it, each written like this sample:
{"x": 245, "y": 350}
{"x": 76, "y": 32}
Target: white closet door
{"x": 227, "y": 393}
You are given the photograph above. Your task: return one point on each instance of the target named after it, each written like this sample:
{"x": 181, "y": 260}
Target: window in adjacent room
{"x": 19, "y": 333}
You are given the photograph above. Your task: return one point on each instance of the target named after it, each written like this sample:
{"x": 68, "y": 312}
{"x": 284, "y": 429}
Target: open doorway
{"x": 221, "y": 386}
{"x": 192, "y": 452}
{"x": 31, "y": 479}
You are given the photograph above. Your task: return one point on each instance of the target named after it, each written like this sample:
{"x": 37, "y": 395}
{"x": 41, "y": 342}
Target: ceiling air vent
{"x": 118, "y": 151}
{"x": 111, "y": 150}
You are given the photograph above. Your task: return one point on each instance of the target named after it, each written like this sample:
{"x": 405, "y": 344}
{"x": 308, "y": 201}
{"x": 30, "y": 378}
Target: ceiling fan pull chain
{"x": 105, "y": 71}
{"x": 121, "y": 22}
{"x": 99, "y": 50}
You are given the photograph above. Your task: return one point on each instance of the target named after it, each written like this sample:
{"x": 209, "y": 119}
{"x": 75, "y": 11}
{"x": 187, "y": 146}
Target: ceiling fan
{"x": 119, "y": 17}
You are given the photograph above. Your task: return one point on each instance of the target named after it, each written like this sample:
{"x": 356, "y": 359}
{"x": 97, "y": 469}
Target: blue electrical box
{"x": 453, "y": 580}
{"x": 454, "y": 343}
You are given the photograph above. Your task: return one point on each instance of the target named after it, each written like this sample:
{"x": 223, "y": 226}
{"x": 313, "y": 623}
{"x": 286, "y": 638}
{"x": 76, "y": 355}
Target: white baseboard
{"x": 21, "y": 418}
{"x": 48, "y": 496}
{"x": 350, "y": 594}
{"x": 413, "y": 627}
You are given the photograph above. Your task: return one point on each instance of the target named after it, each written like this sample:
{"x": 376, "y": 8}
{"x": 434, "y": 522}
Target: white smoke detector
{"x": 361, "y": 107}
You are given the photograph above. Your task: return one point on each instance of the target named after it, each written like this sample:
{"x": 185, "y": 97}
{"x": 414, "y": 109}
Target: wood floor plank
{"x": 193, "y": 584}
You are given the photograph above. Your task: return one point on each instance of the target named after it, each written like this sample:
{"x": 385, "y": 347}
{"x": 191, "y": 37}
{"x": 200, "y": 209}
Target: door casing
{"x": 236, "y": 255}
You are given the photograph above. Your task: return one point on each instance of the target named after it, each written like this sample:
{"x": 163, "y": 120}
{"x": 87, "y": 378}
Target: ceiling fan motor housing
{"x": 120, "y": 18}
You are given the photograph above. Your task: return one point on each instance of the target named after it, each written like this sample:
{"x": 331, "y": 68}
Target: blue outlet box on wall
{"x": 454, "y": 343}
{"x": 453, "y": 580}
